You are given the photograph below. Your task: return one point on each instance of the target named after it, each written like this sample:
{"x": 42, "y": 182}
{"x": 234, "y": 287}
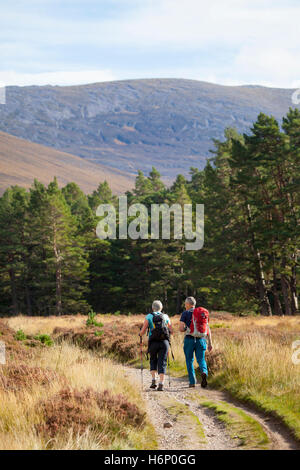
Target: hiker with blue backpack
{"x": 194, "y": 323}
{"x": 159, "y": 328}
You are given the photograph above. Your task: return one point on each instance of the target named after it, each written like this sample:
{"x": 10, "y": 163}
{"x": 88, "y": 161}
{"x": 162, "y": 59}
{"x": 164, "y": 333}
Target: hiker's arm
{"x": 170, "y": 327}
{"x": 209, "y": 340}
{"x": 144, "y": 328}
{"x": 182, "y": 327}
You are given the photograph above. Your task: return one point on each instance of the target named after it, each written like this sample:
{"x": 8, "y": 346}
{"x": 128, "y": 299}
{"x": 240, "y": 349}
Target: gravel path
{"x": 176, "y": 436}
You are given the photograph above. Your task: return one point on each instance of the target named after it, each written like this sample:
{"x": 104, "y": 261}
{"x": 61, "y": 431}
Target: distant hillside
{"x": 22, "y": 161}
{"x": 134, "y": 124}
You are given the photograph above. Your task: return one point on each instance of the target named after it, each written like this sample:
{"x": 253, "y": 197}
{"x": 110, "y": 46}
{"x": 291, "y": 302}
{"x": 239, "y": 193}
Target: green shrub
{"x": 99, "y": 333}
{"x": 20, "y": 335}
{"x": 91, "y": 320}
{"x": 45, "y": 339}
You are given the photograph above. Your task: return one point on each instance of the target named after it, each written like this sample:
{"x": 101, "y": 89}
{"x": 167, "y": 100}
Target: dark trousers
{"x": 158, "y": 351}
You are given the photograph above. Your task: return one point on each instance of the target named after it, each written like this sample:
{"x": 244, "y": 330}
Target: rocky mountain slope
{"x": 134, "y": 124}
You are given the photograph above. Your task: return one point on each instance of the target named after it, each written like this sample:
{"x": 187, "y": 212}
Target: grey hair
{"x": 157, "y": 306}
{"x": 191, "y": 301}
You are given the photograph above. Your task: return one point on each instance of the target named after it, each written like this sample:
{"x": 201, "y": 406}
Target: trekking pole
{"x": 169, "y": 369}
{"x": 141, "y": 351}
{"x": 172, "y": 352}
{"x": 170, "y": 349}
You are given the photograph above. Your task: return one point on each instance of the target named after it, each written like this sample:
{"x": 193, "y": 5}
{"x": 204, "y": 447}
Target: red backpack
{"x": 199, "y": 323}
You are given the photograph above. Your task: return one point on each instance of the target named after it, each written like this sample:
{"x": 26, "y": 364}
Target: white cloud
{"x": 260, "y": 37}
{"x": 197, "y": 22}
{"x": 174, "y": 22}
{"x": 276, "y": 66}
{"x": 10, "y": 78}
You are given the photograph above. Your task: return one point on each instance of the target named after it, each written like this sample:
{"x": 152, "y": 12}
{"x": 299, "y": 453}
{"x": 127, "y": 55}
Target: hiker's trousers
{"x": 197, "y": 346}
{"x": 158, "y": 351}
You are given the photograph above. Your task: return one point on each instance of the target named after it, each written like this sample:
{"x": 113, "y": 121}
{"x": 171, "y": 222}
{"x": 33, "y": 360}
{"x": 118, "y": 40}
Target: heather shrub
{"x": 21, "y": 376}
{"x": 75, "y": 410}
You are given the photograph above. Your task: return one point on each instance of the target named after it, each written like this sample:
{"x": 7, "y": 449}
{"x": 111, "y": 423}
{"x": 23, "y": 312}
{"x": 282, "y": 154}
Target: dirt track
{"x": 185, "y": 431}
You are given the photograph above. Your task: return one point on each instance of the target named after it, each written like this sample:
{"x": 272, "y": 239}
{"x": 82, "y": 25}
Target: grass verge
{"x": 240, "y": 425}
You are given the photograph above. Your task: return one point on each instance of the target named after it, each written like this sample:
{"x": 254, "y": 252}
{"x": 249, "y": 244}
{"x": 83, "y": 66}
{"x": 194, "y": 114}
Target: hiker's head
{"x": 157, "y": 306}
{"x": 190, "y": 302}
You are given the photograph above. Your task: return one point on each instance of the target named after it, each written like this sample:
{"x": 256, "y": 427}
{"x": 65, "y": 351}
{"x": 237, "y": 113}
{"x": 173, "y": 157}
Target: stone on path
{"x": 168, "y": 425}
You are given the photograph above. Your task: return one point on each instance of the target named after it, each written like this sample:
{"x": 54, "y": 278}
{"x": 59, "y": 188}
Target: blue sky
{"x": 230, "y": 42}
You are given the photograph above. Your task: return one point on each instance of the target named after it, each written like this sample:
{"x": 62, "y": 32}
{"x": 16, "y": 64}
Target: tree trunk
{"x": 286, "y": 296}
{"x": 166, "y": 301}
{"x": 58, "y": 275}
{"x": 293, "y": 288}
{"x": 277, "y": 303}
{"x": 263, "y": 297}
{"x": 178, "y": 306}
{"x": 28, "y": 300}
{"x": 261, "y": 283}
{"x": 58, "y": 292}
{"x": 13, "y": 288}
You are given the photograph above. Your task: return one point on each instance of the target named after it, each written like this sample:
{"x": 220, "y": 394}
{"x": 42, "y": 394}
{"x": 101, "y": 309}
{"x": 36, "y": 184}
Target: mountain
{"x": 134, "y": 124}
{"x": 22, "y": 161}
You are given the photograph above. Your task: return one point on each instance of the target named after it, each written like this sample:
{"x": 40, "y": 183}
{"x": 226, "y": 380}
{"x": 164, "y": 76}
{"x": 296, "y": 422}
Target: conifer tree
{"x": 59, "y": 259}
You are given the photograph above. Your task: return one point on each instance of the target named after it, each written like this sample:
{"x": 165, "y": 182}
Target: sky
{"x": 230, "y": 42}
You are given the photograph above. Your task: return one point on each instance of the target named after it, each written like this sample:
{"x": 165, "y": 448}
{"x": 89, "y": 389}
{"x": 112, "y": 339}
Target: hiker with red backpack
{"x": 159, "y": 329}
{"x": 194, "y": 322}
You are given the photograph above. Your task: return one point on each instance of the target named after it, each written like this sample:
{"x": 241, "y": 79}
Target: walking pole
{"x": 172, "y": 352}
{"x": 170, "y": 349}
{"x": 169, "y": 369}
{"x": 141, "y": 351}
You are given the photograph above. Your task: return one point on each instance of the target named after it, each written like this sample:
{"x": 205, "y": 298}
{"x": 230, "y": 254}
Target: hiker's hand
{"x": 210, "y": 348}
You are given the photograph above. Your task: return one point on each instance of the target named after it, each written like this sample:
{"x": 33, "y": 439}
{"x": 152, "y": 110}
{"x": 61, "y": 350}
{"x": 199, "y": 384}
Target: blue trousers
{"x": 197, "y": 346}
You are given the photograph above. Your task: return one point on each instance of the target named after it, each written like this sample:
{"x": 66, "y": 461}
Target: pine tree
{"x": 59, "y": 259}
{"x": 290, "y": 183}
{"x": 13, "y": 253}
{"x": 156, "y": 184}
{"x": 103, "y": 195}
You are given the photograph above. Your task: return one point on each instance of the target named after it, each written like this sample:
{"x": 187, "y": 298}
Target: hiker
{"x": 159, "y": 328}
{"x": 195, "y": 341}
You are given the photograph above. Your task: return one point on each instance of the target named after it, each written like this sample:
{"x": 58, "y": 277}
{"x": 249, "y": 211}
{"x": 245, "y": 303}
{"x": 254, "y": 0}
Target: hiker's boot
{"x": 160, "y": 388}
{"x": 153, "y": 385}
{"x": 192, "y": 385}
{"x": 204, "y": 380}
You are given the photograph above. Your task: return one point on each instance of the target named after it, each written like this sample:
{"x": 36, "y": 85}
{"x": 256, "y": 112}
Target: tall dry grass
{"x": 21, "y": 412}
{"x": 252, "y": 358}
{"x": 45, "y": 325}
{"x": 259, "y": 368}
